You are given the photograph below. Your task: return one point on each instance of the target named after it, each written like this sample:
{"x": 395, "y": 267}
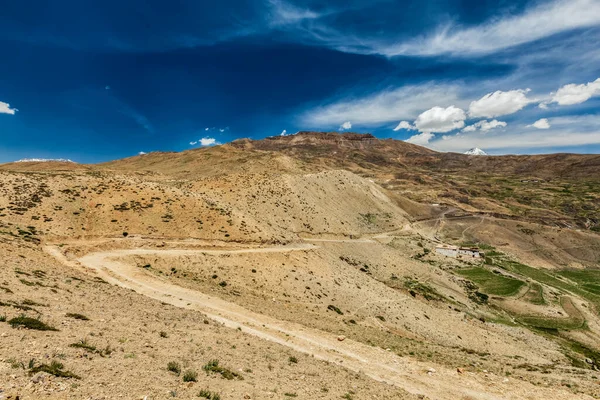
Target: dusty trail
{"x": 406, "y": 373}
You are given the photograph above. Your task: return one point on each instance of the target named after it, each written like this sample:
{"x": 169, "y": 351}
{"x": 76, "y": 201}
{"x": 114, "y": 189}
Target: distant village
{"x": 458, "y": 252}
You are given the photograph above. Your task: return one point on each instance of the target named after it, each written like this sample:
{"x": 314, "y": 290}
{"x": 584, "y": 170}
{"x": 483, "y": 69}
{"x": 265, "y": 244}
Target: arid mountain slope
{"x": 317, "y": 243}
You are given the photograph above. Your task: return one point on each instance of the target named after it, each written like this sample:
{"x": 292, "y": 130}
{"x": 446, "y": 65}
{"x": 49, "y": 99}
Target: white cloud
{"x": 5, "y": 109}
{"x": 521, "y": 140}
{"x": 283, "y": 13}
{"x": 564, "y": 132}
{"x": 499, "y": 103}
{"x": 500, "y": 32}
{"x": 206, "y": 141}
{"x": 383, "y": 107}
{"x": 541, "y": 124}
{"x": 485, "y": 126}
{"x": 345, "y": 126}
{"x": 575, "y": 94}
{"x": 206, "y": 129}
{"x": 141, "y": 153}
{"x": 404, "y": 125}
{"x": 283, "y": 133}
{"x": 438, "y": 119}
{"x": 193, "y": 143}
{"x": 421, "y": 139}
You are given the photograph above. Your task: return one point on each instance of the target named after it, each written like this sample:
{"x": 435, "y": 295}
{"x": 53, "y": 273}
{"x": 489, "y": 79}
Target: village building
{"x": 472, "y": 252}
{"x": 455, "y": 251}
{"x": 447, "y": 250}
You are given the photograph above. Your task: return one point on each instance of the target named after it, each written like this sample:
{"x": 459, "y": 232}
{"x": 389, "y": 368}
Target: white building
{"x": 446, "y": 250}
{"x": 470, "y": 252}
{"x": 454, "y": 251}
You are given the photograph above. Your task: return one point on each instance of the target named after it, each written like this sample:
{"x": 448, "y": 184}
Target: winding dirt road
{"x": 419, "y": 378}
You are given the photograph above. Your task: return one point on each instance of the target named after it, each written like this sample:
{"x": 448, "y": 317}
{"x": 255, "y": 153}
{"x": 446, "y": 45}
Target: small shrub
{"x": 30, "y": 323}
{"x": 28, "y": 302}
{"x": 207, "y": 394}
{"x": 190, "y": 376}
{"x": 83, "y": 344}
{"x": 334, "y": 308}
{"x": 293, "y": 360}
{"x": 14, "y": 364}
{"x": 223, "y": 284}
{"x": 290, "y": 394}
{"x": 213, "y": 366}
{"x": 55, "y": 368}
{"x": 174, "y": 367}
{"x": 164, "y": 334}
{"x": 78, "y": 316}
{"x": 2, "y": 318}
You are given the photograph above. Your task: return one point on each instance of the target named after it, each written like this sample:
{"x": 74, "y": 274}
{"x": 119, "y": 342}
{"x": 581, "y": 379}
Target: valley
{"x": 315, "y": 247}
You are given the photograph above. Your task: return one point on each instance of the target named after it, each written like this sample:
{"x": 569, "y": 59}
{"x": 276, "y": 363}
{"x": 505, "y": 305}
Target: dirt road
{"x": 426, "y": 379}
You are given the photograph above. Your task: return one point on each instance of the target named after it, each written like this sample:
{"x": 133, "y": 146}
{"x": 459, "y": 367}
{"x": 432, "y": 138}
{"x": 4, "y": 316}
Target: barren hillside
{"x": 307, "y": 266}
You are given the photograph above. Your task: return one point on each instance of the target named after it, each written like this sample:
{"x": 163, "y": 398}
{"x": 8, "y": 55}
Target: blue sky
{"x": 99, "y": 80}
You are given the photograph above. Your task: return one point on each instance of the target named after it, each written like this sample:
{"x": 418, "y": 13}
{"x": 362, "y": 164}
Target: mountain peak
{"x": 475, "y": 151}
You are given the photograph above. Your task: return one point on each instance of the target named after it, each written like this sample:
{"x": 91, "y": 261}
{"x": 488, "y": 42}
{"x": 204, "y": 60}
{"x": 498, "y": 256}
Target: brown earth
{"x": 320, "y": 247}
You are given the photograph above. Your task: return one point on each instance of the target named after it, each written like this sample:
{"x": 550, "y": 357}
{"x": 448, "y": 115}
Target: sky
{"x": 104, "y": 79}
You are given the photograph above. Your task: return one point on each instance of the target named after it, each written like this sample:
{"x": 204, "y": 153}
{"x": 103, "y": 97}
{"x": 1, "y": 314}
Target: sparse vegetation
{"x": 190, "y": 376}
{"x": 419, "y": 288}
{"x": 207, "y": 394}
{"x": 214, "y": 367}
{"x": 77, "y": 316}
{"x": 83, "y": 344}
{"x": 54, "y": 368}
{"x": 334, "y": 308}
{"x": 174, "y": 367}
{"x": 30, "y": 323}
{"x": 492, "y": 284}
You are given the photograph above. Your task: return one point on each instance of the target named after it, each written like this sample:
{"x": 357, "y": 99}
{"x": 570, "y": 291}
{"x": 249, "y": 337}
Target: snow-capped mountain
{"x": 476, "y": 152}
{"x": 45, "y": 160}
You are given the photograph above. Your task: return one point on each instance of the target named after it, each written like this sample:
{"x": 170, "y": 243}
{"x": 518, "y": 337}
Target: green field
{"x": 491, "y": 283}
{"x": 535, "y": 295}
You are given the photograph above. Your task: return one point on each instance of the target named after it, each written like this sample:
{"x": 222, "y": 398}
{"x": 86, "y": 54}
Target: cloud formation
{"x": 283, "y": 133}
{"x": 499, "y": 103}
{"x": 207, "y": 141}
{"x": 541, "y": 124}
{"x": 485, "y": 126}
{"x": 421, "y": 139}
{"x": 438, "y": 119}
{"x": 5, "y": 109}
{"x": 576, "y": 94}
{"x": 386, "y": 106}
{"x": 404, "y": 125}
{"x": 345, "y": 126}
{"x": 499, "y": 32}
{"x": 563, "y": 132}
{"x": 284, "y": 13}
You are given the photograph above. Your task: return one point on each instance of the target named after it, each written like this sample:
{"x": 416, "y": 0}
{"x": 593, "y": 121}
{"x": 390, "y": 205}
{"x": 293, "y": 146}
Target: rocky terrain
{"x": 301, "y": 266}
